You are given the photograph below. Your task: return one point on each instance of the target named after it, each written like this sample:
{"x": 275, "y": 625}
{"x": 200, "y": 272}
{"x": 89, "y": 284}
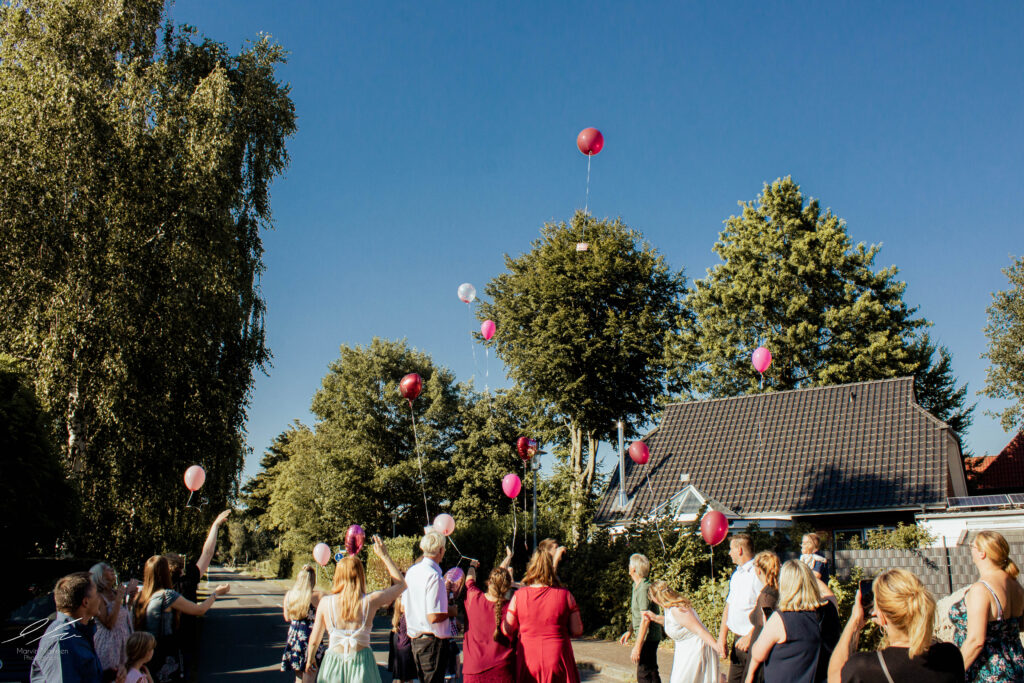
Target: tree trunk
{"x": 582, "y": 482}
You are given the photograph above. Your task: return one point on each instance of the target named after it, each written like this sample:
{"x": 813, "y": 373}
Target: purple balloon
{"x": 354, "y": 538}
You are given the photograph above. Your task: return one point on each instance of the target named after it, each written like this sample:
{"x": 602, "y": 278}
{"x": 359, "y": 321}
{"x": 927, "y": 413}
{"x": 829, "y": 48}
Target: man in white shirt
{"x": 427, "y": 612}
{"x": 743, "y": 591}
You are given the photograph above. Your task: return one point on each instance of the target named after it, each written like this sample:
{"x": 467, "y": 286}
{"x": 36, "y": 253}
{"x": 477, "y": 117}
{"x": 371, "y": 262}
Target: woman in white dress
{"x": 696, "y": 651}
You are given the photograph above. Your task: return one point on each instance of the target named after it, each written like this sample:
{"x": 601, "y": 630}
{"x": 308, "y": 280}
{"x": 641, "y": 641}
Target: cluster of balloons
{"x": 354, "y": 539}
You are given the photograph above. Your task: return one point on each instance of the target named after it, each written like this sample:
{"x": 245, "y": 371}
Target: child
{"x": 400, "y": 660}
{"x": 139, "y": 649}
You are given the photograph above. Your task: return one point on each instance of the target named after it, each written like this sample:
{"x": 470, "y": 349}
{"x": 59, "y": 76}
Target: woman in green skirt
{"x": 346, "y": 616}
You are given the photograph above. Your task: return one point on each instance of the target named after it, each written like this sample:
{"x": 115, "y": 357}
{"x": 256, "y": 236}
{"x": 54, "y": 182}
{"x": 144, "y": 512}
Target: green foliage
{"x": 134, "y": 181}
{"x": 1004, "y": 378}
{"x": 404, "y": 550}
{"x": 903, "y": 537}
{"x": 583, "y": 333}
{"x": 30, "y": 469}
{"x": 792, "y": 280}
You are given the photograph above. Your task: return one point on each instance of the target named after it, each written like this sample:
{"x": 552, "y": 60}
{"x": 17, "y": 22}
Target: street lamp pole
{"x": 536, "y": 471}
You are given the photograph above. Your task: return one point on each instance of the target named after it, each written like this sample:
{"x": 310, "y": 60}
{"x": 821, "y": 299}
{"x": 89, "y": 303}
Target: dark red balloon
{"x": 639, "y": 452}
{"x": 411, "y": 386}
{"x": 714, "y": 527}
{"x": 354, "y": 538}
{"x": 526, "y": 447}
{"x": 590, "y": 141}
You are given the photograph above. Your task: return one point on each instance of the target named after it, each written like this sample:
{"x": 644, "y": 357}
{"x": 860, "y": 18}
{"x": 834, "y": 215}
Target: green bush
{"x": 903, "y": 537}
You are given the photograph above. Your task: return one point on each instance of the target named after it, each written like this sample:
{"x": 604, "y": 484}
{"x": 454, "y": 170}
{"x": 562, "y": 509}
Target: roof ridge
{"x": 793, "y": 391}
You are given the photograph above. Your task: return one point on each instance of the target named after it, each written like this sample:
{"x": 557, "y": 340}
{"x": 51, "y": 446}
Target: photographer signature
{"x": 60, "y": 633}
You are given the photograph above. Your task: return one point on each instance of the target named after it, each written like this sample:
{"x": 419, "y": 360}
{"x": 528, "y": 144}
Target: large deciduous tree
{"x": 1004, "y": 378}
{"x": 791, "y": 280}
{"x": 134, "y": 175}
{"x": 583, "y": 333}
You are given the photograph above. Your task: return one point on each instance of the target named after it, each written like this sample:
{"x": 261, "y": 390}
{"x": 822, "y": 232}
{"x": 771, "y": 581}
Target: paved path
{"x": 243, "y": 638}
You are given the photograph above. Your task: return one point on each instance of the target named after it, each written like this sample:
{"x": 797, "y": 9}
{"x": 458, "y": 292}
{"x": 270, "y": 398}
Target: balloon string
{"x": 419, "y": 462}
{"x": 190, "y": 492}
{"x": 657, "y": 524}
{"x": 586, "y": 206}
{"x": 472, "y": 342}
{"x": 759, "y": 407}
{"x": 515, "y": 516}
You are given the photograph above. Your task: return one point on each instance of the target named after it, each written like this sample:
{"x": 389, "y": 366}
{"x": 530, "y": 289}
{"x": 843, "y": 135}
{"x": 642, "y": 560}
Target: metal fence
{"x": 942, "y": 570}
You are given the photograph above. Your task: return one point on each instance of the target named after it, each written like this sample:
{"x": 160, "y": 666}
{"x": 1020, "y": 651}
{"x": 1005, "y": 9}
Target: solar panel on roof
{"x": 1016, "y": 498}
{"x": 978, "y": 501}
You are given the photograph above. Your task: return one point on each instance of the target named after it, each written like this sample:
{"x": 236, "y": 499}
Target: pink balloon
{"x": 354, "y": 538}
{"x": 444, "y": 524}
{"x": 487, "y": 329}
{"x": 761, "y": 358}
{"x": 639, "y": 452}
{"x": 322, "y": 554}
{"x": 511, "y": 485}
{"x": 195, "y": 476}
{"x": 590, "y": 141}
{"x": 714, "y": 527}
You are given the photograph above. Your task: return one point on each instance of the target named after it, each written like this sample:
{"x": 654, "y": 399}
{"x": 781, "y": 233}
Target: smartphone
{"x": 867, "y": 594}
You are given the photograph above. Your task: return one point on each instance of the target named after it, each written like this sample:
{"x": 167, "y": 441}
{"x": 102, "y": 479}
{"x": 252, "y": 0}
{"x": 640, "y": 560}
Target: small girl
{"x": 400, "y": 660}
{"x": 300, "y": 605}
{"x": 139, "y": 650}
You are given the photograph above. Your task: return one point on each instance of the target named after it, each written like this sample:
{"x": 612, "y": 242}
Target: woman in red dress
{"x": 487, "y": 654}
{"x": 546, "y": 617}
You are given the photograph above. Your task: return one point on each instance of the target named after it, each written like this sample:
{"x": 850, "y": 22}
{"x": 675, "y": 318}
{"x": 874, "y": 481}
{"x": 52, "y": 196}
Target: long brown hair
{"x": 350, "y": 587}
{"x": 155, "y": 577}
{"x": 498, "y": 585}
{"x": 541, "y": 569}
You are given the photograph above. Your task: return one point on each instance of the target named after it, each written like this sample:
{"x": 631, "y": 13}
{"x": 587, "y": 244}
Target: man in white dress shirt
{"x": 427, "y": 612}
{"x": 743, "y": 591}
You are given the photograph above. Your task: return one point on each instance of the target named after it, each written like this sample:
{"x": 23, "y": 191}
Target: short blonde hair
{"x": 814, "y": 539}
{"x": 640, "y": 564}
{"x": 798, "y": 589}
{"x": 432, "y": 543}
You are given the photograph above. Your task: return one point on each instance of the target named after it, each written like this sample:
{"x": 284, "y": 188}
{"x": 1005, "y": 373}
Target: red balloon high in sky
{"x": 410, "y": 386}
{"x": 590, "y": 141}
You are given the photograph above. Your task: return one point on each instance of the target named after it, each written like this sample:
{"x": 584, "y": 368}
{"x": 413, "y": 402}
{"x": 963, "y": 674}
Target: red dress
{"x": 483, "y": 659}
{"x": 541, "y": 615}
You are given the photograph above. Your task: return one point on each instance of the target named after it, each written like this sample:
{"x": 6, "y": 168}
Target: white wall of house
{"x": 951, "y": 527}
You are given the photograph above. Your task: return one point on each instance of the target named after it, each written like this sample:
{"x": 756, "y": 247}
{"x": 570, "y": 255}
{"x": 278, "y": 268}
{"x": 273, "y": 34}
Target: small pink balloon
{"x": 487, "y": 329}
{"x": 511, "y": 485}
{"x": 444, "y": 524}
{"x": 639, "y": 452}
{"x": 761, "y": 358}
{"x": 195, "y": 476}
{"x": 322, "y": 554}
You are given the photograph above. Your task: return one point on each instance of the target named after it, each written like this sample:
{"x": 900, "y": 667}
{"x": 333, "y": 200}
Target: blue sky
{"x": 435, "y": 137}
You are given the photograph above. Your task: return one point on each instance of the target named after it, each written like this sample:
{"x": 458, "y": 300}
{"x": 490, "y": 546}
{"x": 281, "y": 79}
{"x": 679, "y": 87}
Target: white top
{"x": 743, "y": 591}
{"x": 349, "y": 639}
{"x": 134, "y": 676}
{"x": 425, "y": 594}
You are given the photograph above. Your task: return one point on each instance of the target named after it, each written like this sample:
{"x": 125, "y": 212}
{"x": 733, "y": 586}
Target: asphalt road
{"x": 243, "y": 634}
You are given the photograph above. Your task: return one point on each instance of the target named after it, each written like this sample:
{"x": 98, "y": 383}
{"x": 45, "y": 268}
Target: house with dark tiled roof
{"x": 842, "y": 458}
{"x": 1000, "y": 473}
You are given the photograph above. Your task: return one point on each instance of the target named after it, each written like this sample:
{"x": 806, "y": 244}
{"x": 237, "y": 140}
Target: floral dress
{"x": 109, "y": 643}
{"x": 296, "y": 645}
{"x": 1002, "y": 657}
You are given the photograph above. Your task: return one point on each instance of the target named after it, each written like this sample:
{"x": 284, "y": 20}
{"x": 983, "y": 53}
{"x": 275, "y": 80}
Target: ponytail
{"x": 908, "y": 605}
{"x": 997, "y": 549}
{"x": 1011, "y": 569}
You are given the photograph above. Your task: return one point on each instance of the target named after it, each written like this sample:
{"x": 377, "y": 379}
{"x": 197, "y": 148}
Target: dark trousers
{"x": 738, "y": 661}
{"x": 647, "y": 667}
{"x": 431, "y": 656}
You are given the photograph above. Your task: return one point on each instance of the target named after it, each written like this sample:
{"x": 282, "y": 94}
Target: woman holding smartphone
{"x": 905, "y": 611}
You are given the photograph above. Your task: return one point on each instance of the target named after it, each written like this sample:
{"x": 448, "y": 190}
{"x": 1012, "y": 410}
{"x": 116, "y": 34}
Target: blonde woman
{"x": 696, "y": 650}
{"x": 905, "y": 611}
{"x": 346, "y": 616}
{"x": 791, "y": 642}
{"x": 988, "y": 619}
{"x": 114, "y": 622}
{"x": 300, "y": 605}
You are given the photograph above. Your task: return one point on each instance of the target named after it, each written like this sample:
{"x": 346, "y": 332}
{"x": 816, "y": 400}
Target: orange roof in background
{"x": 1002, "y": 471}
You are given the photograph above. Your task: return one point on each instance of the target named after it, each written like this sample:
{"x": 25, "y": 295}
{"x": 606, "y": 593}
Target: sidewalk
{"x": 606, "y": 660}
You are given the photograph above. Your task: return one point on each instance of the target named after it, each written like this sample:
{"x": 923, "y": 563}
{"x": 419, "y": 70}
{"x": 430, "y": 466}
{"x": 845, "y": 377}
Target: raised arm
{"x": 388, "y": 595}
{"x": 847, "y": 644}
{"x": 211, "y": 543}
{"x": 186, "y": 606}
{"x": 109, "y": 613}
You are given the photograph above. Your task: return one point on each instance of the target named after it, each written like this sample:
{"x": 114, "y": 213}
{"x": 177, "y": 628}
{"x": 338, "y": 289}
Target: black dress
{"x": 796, "y": 660}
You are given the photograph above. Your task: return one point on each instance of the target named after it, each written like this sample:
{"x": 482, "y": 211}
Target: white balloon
{"x": 467, "y": 292}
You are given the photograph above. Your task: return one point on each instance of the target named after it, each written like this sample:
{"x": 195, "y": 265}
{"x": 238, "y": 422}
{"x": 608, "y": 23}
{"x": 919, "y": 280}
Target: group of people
{"x": 786, "y": 627}
{"x": 108, "y": 631}
{"x": 513, "y": 631}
